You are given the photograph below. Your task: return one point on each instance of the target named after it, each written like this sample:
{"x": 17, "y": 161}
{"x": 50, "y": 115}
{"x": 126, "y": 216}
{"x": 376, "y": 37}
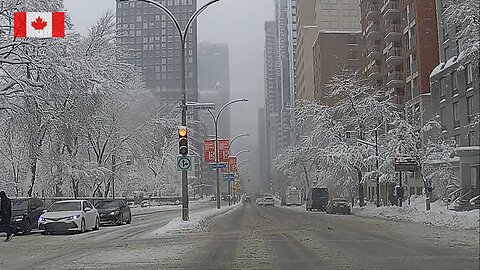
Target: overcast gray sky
{"x": 240, "y": 24}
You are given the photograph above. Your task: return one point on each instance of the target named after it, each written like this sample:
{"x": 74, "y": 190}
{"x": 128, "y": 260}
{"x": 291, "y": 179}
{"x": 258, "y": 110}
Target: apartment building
{"x": 455, "y": 98}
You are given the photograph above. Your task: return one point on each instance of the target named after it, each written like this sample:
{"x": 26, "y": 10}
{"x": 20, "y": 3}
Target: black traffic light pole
{"x": 183, "y": 42}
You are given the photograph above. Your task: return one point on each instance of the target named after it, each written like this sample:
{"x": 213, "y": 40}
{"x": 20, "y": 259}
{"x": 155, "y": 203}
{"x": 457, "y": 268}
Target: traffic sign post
{"x": 217, "y": 165}
{"x": 184, "y": 163}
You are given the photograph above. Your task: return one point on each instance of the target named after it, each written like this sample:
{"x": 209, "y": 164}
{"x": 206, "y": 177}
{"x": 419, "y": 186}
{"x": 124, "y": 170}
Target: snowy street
{"x": 250, "y": 237}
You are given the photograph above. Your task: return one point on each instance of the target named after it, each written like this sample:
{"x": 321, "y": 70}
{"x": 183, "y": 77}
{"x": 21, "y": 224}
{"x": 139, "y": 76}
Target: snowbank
{"x": 137, "y": 210}
{"x": 198, "y": 221}
{"x": 438, "y": 216}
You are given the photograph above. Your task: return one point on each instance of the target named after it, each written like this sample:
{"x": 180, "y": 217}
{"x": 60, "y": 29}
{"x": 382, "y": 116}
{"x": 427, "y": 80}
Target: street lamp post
{"x": 183, "y": 41}
{"x": 215, "y": 122}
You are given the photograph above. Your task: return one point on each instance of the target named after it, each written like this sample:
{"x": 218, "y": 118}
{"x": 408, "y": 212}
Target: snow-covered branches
{"x": 463, "y": 16}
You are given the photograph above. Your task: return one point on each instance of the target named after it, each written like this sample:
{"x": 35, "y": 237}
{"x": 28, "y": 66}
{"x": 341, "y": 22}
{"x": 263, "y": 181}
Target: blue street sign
{"x": 217, "y": 165}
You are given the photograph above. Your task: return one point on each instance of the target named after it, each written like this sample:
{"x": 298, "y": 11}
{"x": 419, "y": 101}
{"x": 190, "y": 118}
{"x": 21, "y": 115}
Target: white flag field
{"x": 39, "y": 24}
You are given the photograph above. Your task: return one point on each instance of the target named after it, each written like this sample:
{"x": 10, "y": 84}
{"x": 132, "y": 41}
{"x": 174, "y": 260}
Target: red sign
{"x": 223, "y": 150}
{"x": 209, "y": 151}
{"x": 232, "y": 164}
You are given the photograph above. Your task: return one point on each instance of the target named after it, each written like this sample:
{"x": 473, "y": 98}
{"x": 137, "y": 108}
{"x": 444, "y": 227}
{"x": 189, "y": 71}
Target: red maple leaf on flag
{"x": 39, "y": 24}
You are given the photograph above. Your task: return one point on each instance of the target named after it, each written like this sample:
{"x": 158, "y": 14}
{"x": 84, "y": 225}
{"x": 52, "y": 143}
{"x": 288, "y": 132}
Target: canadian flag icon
{"x": 39, "y": 24}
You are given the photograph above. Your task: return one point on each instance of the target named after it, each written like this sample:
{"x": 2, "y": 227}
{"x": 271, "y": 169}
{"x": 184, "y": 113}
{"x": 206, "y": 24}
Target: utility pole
{"x": 376, "y": 164}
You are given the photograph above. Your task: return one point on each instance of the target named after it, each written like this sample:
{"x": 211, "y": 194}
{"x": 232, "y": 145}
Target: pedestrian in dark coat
{"x": 6, "y": 215}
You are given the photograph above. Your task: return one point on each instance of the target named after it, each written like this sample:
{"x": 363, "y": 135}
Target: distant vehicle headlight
{"x": 41, "y": 219}
{"x": 113, "y": 213}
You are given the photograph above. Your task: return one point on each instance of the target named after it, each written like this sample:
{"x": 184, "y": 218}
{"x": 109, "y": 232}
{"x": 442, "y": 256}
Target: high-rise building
{"x": 333, "y": 52}
{"x": 455, "y": 98}
{"x": 214, "y": 84}
{"x": 312, "y": 17}
{"x": 155, "y": 45}
{"x": 401, "y": 49}
{"x": 272, "y": 92}
{"x": 262, "y": 143}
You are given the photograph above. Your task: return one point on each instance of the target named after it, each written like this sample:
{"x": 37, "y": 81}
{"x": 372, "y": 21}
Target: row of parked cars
{"x": 68, "y": 215}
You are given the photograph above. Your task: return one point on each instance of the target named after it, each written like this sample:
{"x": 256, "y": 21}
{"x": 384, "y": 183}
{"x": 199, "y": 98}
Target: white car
{"x": 72, "y": 215}
{"x": 259, "y": 201}
{"x": 269, "y": 200}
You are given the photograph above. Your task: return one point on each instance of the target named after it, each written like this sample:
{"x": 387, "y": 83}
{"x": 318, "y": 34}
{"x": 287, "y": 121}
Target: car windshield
{"x": 65, "y": 206}
{"x": 107, "y": 204}
{"x": 19, "y": 204}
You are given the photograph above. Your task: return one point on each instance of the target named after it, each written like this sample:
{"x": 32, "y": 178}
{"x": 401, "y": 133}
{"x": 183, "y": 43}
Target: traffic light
{"x": 182, "y": 140}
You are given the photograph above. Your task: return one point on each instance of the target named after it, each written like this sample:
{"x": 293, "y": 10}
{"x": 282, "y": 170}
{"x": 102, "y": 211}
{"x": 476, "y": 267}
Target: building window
{"x": 454, "y": 84}
{"x": 443, "y": 85}
{"x": 469, "y": 109}
{"x": 443, "y": 118}
{"x": 469, "y": 75}
{"x": 456, "y": 138}
{"x": 456, "y": 120}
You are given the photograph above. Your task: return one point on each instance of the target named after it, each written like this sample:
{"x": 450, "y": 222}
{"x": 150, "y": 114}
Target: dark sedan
{"x": 338, "y": 205}
{"x": 25, "y": 213}
{"x": 113, "y": 212}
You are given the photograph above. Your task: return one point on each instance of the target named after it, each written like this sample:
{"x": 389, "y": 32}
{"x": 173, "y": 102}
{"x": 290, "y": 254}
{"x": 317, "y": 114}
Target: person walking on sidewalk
{"x": 6, "y": 215}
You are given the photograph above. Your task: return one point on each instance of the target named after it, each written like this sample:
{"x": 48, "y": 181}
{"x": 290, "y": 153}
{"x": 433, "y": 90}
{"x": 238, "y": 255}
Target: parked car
{"x": 259, "y": 201}
{"x": 317, "y": 198}
{"x": 25, "y": 213}
{"x": 213, "y": 198}
{"x": 338, "y": 205}
{"x": 113, "y": 212}
{"x": 145, "y": 203}
{"x": 269, "y": 201}
{"x": 247, "y": 199}
{"x": 72, "y": 215}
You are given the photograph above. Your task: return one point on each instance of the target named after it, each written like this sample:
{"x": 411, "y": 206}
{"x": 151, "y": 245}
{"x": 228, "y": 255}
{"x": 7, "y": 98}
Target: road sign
{"x": 351, "y": 137}
{"x": 228, "y": 177}
{"x": 209, "y": 151}
{"x": 236, "y": 186}
{"x": 232, "y": 163}
{"x": 184, "y": 163}
{"x": 217, "y": 165}
{"x": 223, "y": 150}
{"x": 201, "y": 106}
{"x": 405, "y": 164}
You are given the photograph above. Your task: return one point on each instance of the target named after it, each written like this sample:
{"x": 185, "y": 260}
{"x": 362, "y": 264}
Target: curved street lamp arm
{"x": 213, "y": 116}
{"x": 238, "y": 136}
{"x": 228, "y": 103}
{"x": 241, "y": 152}
{"x": 169, "y": 13}
{"x": 194, "y": 16}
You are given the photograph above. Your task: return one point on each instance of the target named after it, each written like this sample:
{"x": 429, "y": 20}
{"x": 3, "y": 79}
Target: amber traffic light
{"x": 182, "y": 140}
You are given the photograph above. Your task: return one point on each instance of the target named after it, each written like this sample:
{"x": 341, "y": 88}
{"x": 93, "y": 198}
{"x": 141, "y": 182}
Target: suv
{"x": 268, "y": 200}
{"x": 25, "y": 213}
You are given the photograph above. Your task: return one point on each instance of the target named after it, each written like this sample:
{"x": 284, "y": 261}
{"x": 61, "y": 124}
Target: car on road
{"x": 259, "y": 201}
{"x": 338, "y": 205}
{"x": 113, "y": 212}
{"x": 317, "y": 198}
{"x": 71, "y": 215}
{"x": 145, "y": 203}
{"x": 247, "y": 199}
{"x": 25, "y": 213}
{"x": 269, "y": 201}
{"x": 213, "y": 198}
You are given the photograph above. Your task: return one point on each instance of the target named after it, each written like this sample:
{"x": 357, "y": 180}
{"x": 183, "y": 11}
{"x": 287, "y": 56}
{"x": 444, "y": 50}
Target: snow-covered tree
{"x": 463, "y": 16}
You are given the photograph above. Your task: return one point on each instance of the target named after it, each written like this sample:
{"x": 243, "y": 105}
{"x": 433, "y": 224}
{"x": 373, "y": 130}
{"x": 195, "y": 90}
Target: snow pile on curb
{"x": 438, "y": 216}
{"x": 152, "y": 209}
{"x": 198, "y": 221}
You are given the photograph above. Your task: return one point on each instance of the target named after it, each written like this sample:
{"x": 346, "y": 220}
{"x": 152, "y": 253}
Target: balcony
{"x": 374, "y": 52}
{"x": 395, "y": 80}
{"x": 374, "y": 72}
{"x": 393, "y": 33}
{"x": 391, "y": 10}
{"x": 394, "y": 56}
{"x": 373, "y": 13}
{"x": 373, "y": 31}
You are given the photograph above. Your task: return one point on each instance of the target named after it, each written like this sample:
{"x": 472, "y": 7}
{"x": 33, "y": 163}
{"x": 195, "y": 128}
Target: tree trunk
{"x": 360, "y": 187}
